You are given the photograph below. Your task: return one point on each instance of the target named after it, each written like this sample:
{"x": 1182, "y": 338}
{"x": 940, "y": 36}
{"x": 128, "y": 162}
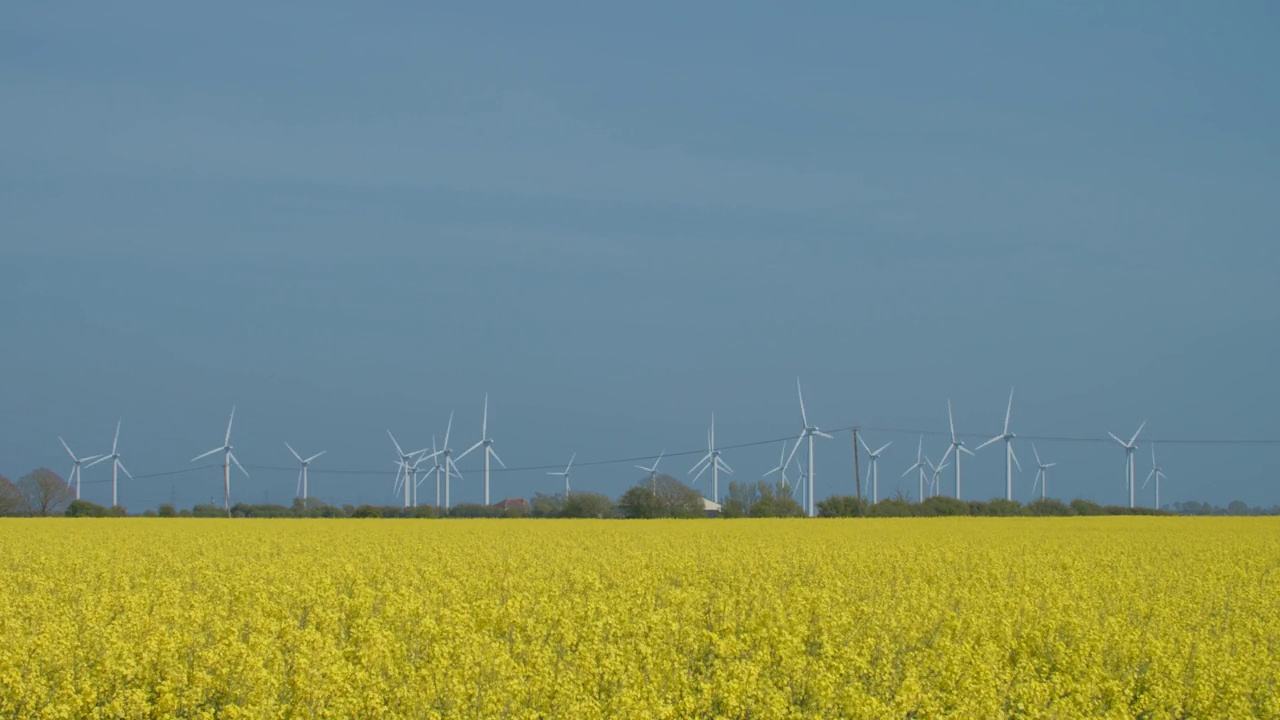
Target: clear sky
{"x": 346, "y": 218}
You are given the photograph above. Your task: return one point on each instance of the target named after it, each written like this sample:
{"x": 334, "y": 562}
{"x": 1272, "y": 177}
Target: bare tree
{"x": 44, "y": 492}
{"x": 10, "y": 498}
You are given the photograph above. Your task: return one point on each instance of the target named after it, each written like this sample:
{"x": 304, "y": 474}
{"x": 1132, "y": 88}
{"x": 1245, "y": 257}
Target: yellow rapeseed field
{"x": 982, "y": 618}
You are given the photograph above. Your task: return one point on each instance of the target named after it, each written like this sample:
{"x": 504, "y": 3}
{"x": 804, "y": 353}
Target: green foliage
{"x": 664, "y": 496}
{"x": 1080, "y": 506}
{"x": 84, "y": 508}
{"x": 760, "y": 499}
{"x": 44, "y": 492}
{"x": 1000, "y": 507}
{"x": 367, "y": 511}
{"x": 1045, "y": 507}
{"x": 546, "y": 506}
{"x": 422, "y": 512}
{"x": 474, "y": 510}
{"x": 10, "y": 497}
{"x": 587, "y": 505}
{"x": 941, "y": 506}
{"x": 891, "y": 507}
{"x": 842, "y": 506}
{"x": 166, "y": 511}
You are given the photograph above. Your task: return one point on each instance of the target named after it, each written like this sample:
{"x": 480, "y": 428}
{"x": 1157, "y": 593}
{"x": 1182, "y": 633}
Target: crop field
{"x": 1060, "y": 617}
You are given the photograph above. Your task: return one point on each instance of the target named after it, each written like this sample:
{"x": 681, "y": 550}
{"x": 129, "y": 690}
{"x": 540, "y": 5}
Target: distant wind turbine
{"x": 875, "y": 469}
{"x": 302, "y": 471}
{"x": 712, "y": 460}
{"x": 1010, "y": 458}
{"x": 486, "y": 442}
{"x": 116, "y": 465}
{"x": 228, "y": 457}
{"x": 1129, "y": 447}
{"x": 652, "y": 471}
{"x": 1042, "y": 475}
{"x": 782, "y": 467}
{"x": 957, "y": 446}
{"x": 568, "y": 470}
{"x": 1155, "y": 473}
{"x": 935, "y": 483}
{"x": 450, "y": 467}
{"x": 808, "y": 433}
{"x": 75, "y": 464}
{"x": 405, "y": 464}
{"x": 919, "y": 466}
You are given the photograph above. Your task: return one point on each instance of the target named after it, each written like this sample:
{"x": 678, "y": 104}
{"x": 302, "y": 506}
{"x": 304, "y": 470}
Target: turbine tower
{"x": 808, "y": 433}
{"x": 302, "y": 472}
{"x": 228, "y": 457}
{"x": 919, "y": 466}
{"x": 1010, "y": 459}
{"x": 653, "y": 471}
{"x": 486, "y": 442}
{"x": 957, "y": 446}
{"x": 1042, "y": 475}
{"x": 1129, "y": 447}
{"x": 116, "y": 465}
{"x": 1156, "y": 473}
{"x": 712, "y": 460}
{"x": 75, "y": 464}
{"x": 875, "y": 470}
{"x": 568, "y": 470}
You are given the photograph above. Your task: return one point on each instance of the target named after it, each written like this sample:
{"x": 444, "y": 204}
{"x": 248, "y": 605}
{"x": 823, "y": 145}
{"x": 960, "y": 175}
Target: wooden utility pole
{"x": 857, "y": 466}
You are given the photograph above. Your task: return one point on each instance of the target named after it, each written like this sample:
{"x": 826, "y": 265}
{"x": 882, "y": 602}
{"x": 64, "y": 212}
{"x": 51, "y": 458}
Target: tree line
{"x": 43, "y": 492}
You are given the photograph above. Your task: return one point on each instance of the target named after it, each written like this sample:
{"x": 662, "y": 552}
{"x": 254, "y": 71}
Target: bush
{"x": 1045, "y": 507}
{"x": 84, "y": 508}
{"x": 842, "y": 506}
{"x": 366, "y": 511}
{"x": 587, "y": 505}
{"x": 1080, "y": 506}
{"x": 166, "y": 511}
{"x": 939, "y": 505}
{"x": 1000, "y": 507}
{"x": 891, "y": 507}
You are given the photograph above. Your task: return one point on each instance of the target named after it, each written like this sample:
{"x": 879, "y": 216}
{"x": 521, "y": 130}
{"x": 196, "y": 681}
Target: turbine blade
{"x": 295, "y": 453}
{"x": 1037, "y": 454}
{"x": 448, "y": 429}
{"x": 230, "y": 420}
{"x": 821, "y": 434}
{"x": 864, "y": 445}
{"x": 1137, "y": 432}
{"x": 951, "y": 419}
{"x": 1014, "y": 455}
{"x": 393, "y": 442}
{"x": 1008, "y": 412}
{"x": 966, "y": 450}
{"x": 570, "y": 465}
{"x": 64, "y": 447}
{"x": 116, "y": 440}
{"x": 1113, "y": 437}
{"x": 794, "y": 448}
{"x": 882, "y": 448}
{"x": 313, "y": 457}
{"x": 473, "y": 447}
{"x": 912, "y": 469}
{"x": 125, "y": 469}
{"x": 803, "y": 417}
{"x": 202, "y": 455}
{"x": 705, "y": 459}
{"x": 494, "y": 453}
{"x": 704, "y": 469}
{"x": 237, "y": 462}
{"x": 484, "y": 423}
{"x": 724, "y": 466}
{"x": 998, "y": 437}
{"x": 947, "y": 454}
{"x": 104, "y": 457}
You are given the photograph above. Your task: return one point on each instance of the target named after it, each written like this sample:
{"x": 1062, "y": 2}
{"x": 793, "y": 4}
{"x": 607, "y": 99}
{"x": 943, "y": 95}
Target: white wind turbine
{"x": 782, "y": 468}
{"x": 875, "y": 469}
{"x": 228, "y": 457}
{"x": 75, "y": 464}
{"x": 116, "y": 465}
{"x": 302, "y": 471}
{"x": 935, "y": 484}
{"x": 919, "y": 466}
{"x": 568, "y": 470}
{"x": 653, "y": 470}
{"x": 808, "y": 433}
{"x": 1042, "y": 475}
{"x": 712, "y": 460}
{"x": 404, "y": 468}
{"x": 486, "y": 442}
{"x": 1156, "y": 473}
{"x": 1129, "y": 447}
{"x": 449, "y": 466}
{"x": 957, "y": 446}
{"x": 1010, "y": 458}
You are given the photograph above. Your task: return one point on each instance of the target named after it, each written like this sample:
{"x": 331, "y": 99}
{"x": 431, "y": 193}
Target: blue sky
{"x": 616, "y": 221}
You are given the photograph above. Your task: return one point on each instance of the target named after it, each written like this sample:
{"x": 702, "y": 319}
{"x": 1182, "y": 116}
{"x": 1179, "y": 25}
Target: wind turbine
{"x": 75, "y": 464}
{"x": 782, "y": 467}
{"x": 934, "y": 483}
{"x": 875, "y": 471}
{"x": 116, "y": 465}
{"x": 404, "y": 467}
{"x": 302, "y": 472}
{"x": 449, "y": 466}
{"x": 920, "y": 463}
{"x": 712, "y": 460}
{"x": 653, "y": 471}
{"x": 1010, "y": 459}
{"x": 228, "y": 457}
{"x": 808, "y": 433}
{"x": 486, "y": 442}
{"x": 568, "y": 470}
{"x": 957, "y": 446}
{"x": 1129, "y": 447}
{"x": 1042, "y": 475}
{"x": 1156, "y": 473}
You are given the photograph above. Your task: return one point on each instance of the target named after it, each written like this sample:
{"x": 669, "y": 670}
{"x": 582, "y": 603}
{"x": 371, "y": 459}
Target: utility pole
{"x": 857, "y": 465}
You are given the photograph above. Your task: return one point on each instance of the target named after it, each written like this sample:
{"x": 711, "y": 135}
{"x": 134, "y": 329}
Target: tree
{"x": 44, "y": 492}
{"x": 1080, "y": 506}
{"x": 166, "y": 511}
{"x": 546, "y": 506}
{"x": 774, "y": 501}
{"x": 664, "y": 496}
{"x": 1000, "y": 507}
{"x": 941, "y": 506}
{"x": 891, "y": 507}
{"x": 366, "y": 511}
{"x": 1048, "y": 506}
{"x": 842, "y": 506}
{"x": 738, "y": 501}
{"x": 10, "y": 497}
{"x": 587, "y": 505}
{"x": 84, "y": 508}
